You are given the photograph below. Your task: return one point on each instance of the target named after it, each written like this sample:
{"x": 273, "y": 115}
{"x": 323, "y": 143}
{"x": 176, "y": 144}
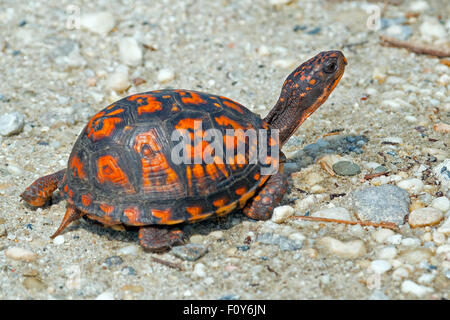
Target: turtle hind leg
{"x": 72, "y": 214}
{"x": 41, "y": 190}
{"x": 159, "y": 239}
{"x": 262, "y": 205}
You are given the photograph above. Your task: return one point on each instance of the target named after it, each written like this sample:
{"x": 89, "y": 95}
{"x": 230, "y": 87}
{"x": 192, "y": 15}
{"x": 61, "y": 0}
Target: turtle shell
{"x": 122, "y": 168}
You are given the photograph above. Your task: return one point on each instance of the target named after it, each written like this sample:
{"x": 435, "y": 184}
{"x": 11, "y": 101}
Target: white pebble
{"x": 387, "y": 253}
{"x": 438, "y": 237}
{"x": 445, "y": 227}
{"x": 333, "y": 213}
{"x": 442, "y": 173}
{"x": 413, "y": 185}
{"x": 130, "y": 51}
{"x": 416, "y": 256}
{"x": 279, "y": 2}
{"x": 410, "y": 242}
{"x": 199, "y": 270}
{"x": 21, "y": 254}
{"x": 165, "y": 75}
{"x": 11, "y": 123}
{"x": 426, "y": 278}
{"x": 118, "y": 81}
{"x": 432, "y": 29}
{"x": 131, "y": 250}
{"x": 107, "y": 295}
{"x": 400, "y": 273}
{"x": 425, "y": 217}
{"x": 58, "y": 240}
{"x": 280, "y": 214}
{"x": 380, "y": 266}
{"x": 441, "y": 203}
{"x": 443, "y": 249}
{"x": 285, "y": 63}
{"x": 264, "y": 50}
{"x": 411, "y": 287}
{"x": 394, "y": 239}
{"x": 411, "y": 119}
{"x": 419, "y": 6}
{"x": 381, "y": 235}
{"x": 348, "y": 250}
{"x": 297, "y": 236}
{"x": 99, "y": 22}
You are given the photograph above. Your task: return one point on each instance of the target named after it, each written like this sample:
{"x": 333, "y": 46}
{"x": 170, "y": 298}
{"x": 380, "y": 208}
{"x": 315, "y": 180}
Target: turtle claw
{"x": 71, "y": 215}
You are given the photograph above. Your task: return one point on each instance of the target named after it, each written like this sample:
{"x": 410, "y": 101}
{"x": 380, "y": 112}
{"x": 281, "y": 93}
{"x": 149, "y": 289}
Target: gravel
{"x": 62, "y": 63}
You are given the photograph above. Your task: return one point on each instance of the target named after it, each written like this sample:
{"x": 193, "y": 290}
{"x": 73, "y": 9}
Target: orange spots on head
{"x": 233, "y": 106}
{"x": 308, "y": 88}
{"x": 193, "y": 99}
{"x": 217, "y": 105}
{"x": 77, "y": 166}
{"x": 312, "y": 81}
{"x": 240, "y": 191}
{"x": 86, "y": 200}
{"x": 302, "y": 78}
{"x": 108, "y": 170}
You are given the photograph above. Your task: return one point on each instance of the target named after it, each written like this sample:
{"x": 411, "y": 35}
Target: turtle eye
{"x": 330, "y": 66}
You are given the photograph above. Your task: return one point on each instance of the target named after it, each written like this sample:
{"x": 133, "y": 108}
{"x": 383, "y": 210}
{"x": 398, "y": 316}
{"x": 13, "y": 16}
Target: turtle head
{"x": 305, "y": 90}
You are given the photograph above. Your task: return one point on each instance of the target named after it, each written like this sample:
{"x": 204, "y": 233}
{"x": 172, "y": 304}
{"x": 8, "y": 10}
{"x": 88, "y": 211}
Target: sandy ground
{"x": 57, "y": 73}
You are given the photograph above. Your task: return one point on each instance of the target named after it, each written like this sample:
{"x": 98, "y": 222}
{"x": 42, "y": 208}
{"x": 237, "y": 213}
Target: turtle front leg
{"x": 160, "y": 238}
{"x": 262, "y": 205}
{"x": 41, "y": 190}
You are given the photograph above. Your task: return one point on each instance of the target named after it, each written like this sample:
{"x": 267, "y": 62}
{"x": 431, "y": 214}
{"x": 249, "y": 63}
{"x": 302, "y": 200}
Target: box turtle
{"x": 122, "y": 168}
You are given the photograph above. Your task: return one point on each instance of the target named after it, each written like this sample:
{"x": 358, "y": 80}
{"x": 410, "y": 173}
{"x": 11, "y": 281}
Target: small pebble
{"x": 426, "y": 278}
{"x": 333, "y": 213}
{"x": 346, "y": 168}
{"x": 112, "y": 261}
{"x": 34, "y": 283}
{"x": 442, "y": 173}
{"x": 118, "y": 81}
{"x": 394, "y": 239}
{"x": 11, "y": 123}
{"x": 413, "y": 185}
{"x": 445, "y": 227}
{"x": 190, "y": 251}
{"x": 425, "y": 217}
{"x": 165, "y": 75}
{"x": 285, "y": 63}
{"x": 415, "y": 256}
{"x": 411, "y": 287}
{"x": 107, "y": 295}
{"x": 387, "y": 253}
{"x": 380, "y": 266}
{"x": 130, "y": 51}
{"x": 280, "y": 214}
{"x": 199, "y": 270}
{"x": 128, "y": 271}
{"x": 58, "y": 240}
{"x": 441, "y": 203}
{"x": 131, "y": 250}
{"x": 441, "y": 127}
{"x": 400, "y": 273}
{"x": 419, "y": 6}
{"x": 410, "y": 242}
{"x": 99, "y": 22}
{"x": 432, "y": 29}
{"x": 381, "y": 235}
{"x": 21, "y": 254}
{"x": 283, "y": 242}
{"x": 347, "y": 250}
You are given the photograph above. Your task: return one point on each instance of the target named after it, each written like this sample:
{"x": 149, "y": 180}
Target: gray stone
{"x": 276, "y": 239}
{"x": 113, "y": 261}
{"x": 190, "y": 251}
{"x": 384, "y": 203}
{"x": 346, "y": 168}
{"x": 11, "y": 123}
